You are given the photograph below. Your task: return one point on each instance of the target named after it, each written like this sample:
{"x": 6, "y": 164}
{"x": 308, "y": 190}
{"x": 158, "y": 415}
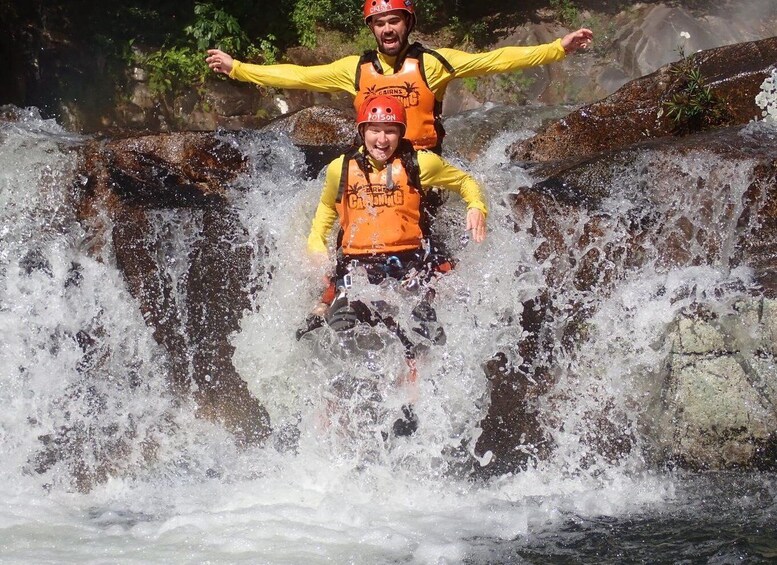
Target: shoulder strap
{"x": 414, "y": 174}
{"x": 427, "y": 196}
{"x": 347, "y": 156}
{"x": 369, "y": 56}
{"x": 416, "y": 51}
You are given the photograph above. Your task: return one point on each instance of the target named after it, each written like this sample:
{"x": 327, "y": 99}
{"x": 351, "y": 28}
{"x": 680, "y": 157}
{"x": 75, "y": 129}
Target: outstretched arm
{"x": 504, "y": 59}
{"x": 337, "y": 76}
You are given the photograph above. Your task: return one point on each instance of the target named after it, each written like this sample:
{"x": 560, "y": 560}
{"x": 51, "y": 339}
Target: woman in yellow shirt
{"x": 377, "y": 193}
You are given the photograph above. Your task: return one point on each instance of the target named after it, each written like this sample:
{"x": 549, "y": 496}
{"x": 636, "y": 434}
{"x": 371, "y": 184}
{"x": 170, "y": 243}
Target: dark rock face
{"x": 192, "y": 312}
{"x": 706, "y": 199}
{"x": 637, "y": 111}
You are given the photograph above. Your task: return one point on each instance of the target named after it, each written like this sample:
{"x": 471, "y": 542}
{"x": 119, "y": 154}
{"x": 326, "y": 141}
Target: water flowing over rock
{"x": 194, "y": 310}
{"x": 639, "y": 111}
{"x": 701, "y": 200}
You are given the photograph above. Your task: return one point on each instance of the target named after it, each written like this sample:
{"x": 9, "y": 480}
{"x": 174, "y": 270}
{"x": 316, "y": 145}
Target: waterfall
{"x": 85, "y": 390}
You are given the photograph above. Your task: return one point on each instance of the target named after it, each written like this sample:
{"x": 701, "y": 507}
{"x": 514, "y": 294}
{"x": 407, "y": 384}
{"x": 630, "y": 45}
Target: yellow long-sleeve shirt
{"x": 339, "y": 76}
{"x": 434, "y": 171}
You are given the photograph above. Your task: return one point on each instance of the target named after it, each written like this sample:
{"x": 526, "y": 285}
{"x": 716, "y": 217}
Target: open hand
{"x": 476, "y": 221}
{"x": 580, "y": 39}
{"x": 219, "y": 61}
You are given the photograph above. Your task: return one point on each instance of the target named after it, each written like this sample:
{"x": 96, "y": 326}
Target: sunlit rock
{"x": 706, "y": 200}
{"x": 718, "y": 404}
{"x": 639, "y": 111}
{"x": 321, "y": 132}
{"x": 316, "y": 126}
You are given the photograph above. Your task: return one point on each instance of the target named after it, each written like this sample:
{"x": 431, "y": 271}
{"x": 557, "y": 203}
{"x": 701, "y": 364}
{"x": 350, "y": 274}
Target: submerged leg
{"x": 426, "y": 316}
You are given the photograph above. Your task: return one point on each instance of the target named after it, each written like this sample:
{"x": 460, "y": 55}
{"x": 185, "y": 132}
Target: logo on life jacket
{"x": 406, "y": 93}
{"x": 360, "y": 197}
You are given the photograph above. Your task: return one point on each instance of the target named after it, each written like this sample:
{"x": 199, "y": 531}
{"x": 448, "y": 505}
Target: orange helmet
{"x": 373, "y": 7}
{"x": 382, "y": 109}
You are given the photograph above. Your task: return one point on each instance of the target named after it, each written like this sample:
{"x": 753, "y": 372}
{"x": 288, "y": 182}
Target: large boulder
{"x": 707, "y": 199}
{"x": 718, "y": 406}
{"x": 192, "y": 308}
{"x": 640, "y": 109}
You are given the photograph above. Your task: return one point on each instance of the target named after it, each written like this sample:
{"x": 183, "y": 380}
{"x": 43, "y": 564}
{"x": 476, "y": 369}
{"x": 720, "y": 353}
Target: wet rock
{"x": 718, "y": 405}
{"x": 638, "y": 110}
{"x": 706, "y": 199}
{"x": 316, "y": 126}
{"x": 512, "y": 437}
{"x": 322, "y": 133}
{"x": 468, "y": 142}
{"x": 662, "y": 177}
{"x": 193, "y": 308}
{"x": 649, "y": 36}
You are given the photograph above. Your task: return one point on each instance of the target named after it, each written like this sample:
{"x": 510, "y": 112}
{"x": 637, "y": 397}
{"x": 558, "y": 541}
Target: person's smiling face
{"x": 390, "y": 31}
{"x": 381, "y": 140}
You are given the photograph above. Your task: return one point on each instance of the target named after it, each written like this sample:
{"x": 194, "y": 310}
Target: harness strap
{"x": 416, "y": 51}
{"x": 347, "y": 156}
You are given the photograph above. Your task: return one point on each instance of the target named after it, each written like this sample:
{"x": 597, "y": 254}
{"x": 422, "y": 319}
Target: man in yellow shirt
{"x": 377, "y": 192}
{"x": 410, "y": 72}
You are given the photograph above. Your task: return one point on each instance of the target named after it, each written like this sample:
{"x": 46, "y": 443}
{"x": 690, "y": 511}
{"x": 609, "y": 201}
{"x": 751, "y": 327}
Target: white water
{"x": 182, "y": 492}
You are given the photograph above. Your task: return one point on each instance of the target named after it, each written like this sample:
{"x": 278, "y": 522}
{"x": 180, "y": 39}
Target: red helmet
{"x": 374, "y": 7}
{"x": 382, "y": 109}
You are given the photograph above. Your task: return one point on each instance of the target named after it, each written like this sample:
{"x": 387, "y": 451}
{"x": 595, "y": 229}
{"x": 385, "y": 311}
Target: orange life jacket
{"x": 408, "y": 84}
{"x": 379, "y": 214}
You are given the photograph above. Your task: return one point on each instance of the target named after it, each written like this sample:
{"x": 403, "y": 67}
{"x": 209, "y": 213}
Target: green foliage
{"x": 470, "y": 84}
{"x": 604, "y": 34}
{"x": 171, "y": 70}
{"x": 344, "y": 15}
{"x": 566, "y": 12}
{"x": 213, "y": 27}
{"x": 181, "y": 66}
{"x": 692, "y": 105}
{"x": 516, "y": 83}
{"x": 364, "y": 40}
{"x": 304, "y": 17}
{"x": 515, "y": 80}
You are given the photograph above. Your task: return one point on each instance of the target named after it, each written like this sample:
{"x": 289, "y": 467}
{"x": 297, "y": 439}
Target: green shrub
{"x": 171, "y": 70}
{"x": 692, "y": 104}
{"x": 566, "y": 12}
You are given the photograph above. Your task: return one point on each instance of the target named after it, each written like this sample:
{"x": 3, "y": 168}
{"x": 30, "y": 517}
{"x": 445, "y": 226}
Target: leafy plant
{"x": 170, "y": 70}
{"x": 470, "y": 84}
{"x": 305, "y": 17}
{"x": 515, "y": 79}
{"x": 174, "y": 68}
{"x": 213, "y": 27}
{"x": 566, "y": 12}
{"x": 693, "y": 105}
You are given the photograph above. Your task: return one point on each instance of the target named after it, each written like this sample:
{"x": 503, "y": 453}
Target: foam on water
{"x": 79, "y": 367}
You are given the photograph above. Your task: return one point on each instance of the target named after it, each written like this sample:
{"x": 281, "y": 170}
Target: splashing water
{"x": 84, "y": 392}
{"x": 767, "y": 98}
